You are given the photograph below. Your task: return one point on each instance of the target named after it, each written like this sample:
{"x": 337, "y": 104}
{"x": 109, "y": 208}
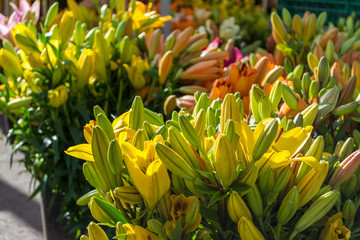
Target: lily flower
{"x": 148, "y": 173}
{"x": 20, "y": 14}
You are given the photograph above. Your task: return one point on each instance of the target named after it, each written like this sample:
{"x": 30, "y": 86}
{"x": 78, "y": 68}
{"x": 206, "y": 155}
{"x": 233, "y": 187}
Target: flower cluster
{"x": 209, "y": 174}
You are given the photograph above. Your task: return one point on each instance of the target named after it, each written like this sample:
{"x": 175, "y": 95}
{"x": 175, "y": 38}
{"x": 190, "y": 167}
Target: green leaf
{"x": 111, "y": 211}
{"x": 203, "y": 189}
{"x": 177, "y": 231}
{"x": 216, "y": 197}
{"x": 120, "y": 236}
{"x": 240, "y": 187}
{"x": 207, "y": 175}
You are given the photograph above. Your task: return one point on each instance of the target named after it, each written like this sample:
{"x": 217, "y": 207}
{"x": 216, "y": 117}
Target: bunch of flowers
{"x": 297, "y": 37}
{"x": 242, "y": 21}
{"x": 209, "y": 175}
{"x": 51, "y": 78}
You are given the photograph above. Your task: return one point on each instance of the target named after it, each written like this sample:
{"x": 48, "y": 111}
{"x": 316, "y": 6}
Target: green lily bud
{"x": 90, "y": 175}
{"x": 265, "y": 140}
{"x": 210, "y": 117}
{"x": 128, "y": 194}
{"x": 237, "y": 207}
{"x": 309, "y": 114}
{"x": 305, "y": 82}
{"x": 255, "y": 201}
{"x": 316, "y": 211}
{"x": 327, "y": 104}
{"x": 321, "y": 192}
{"x": 137, "y": 114}
{"x": 115, "y": 158}
{"x": 174, "y": 162}
{"x": 297, "y": 85}
{"x": 85, "y": 199}
{"x": 312, "y": 61}
{"x": 274, "y": 74}
{"x": 286, "y": 17}
{"x": 229, "y": 110}
{"x": 139, "y": 139}
{"x": 314, "y": 89}
{"x": 266, "y": 182}
{"x": 298, "y": 71}
{"x": 225, "y": 161}
{"x": 264, "y": 107}
{"x": 356, "y": 136}
{"x": 281, "y": 179}
{"x": 298, "y": 120}
{"x": 289, "y": 97}
{"x": 290, "y": 125}
{"x": 346, "y": 149}
{"x": 51, "y": 14}
{"x": 275, "y": 95}
{"x": 192, "y": 212}
{"x": 189, "y": 132}
{"x": 323, "y": 70}
{"x": 349, "y": 187}
{"x": 180, "y": 146}
{"x": 288, "y": 206}
{"x": 155, "y": 226}
{"x": 105, "y": 125}
{"x": 255, "y": 94}
{"x": 348, "y": 211}
{"x": 200, "y": 123}
{"x": 202, "y": 103}
{"x": 253, "y": 59}
{"x": 346, "y": 109}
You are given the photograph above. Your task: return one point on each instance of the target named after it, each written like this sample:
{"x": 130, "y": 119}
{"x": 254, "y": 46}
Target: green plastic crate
{"x": 334, "y": 9}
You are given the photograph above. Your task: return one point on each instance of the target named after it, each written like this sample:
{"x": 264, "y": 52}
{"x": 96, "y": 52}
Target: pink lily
{"x": 21, "y": 14}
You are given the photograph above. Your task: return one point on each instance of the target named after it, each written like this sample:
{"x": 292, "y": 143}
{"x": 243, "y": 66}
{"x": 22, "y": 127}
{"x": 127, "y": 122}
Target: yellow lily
{"x": 136, "y": 70}
{"x": 24, "y": 38}
{"x": 148, "y": 173}
{"x": 179, "y": 212}
{"x": 141, "y": 15}
{"x": 334, "y": 229}
{"x": 10, "y": 62}
{"x": 58, "y": 96}
{"x": 138, "y": 233}
{"x": 85, "y": 68}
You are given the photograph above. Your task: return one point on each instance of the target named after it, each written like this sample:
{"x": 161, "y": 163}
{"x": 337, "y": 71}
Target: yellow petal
{"x": 81, "y": 151}
{"x": 293, "y": 140}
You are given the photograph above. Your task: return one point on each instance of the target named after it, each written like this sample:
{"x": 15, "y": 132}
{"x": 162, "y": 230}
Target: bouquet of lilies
{"x": 210, "y": 175}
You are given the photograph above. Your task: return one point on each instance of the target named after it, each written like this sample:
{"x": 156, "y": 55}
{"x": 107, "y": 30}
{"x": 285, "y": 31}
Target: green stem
{"x": 293, "y": 234}
{"x": 118, "y": 105}
{"x": 122, "y": 209}
{"x": 278, "y": 231}
{"x": 130, "y": 210}
{"x": 222, "y": 209}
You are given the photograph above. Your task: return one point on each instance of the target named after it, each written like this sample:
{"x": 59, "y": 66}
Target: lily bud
{"x": 265, "y": 140}
{"x": 96, "y": 232}
{"x": 128, "y": 194}
{"x": 323, "y": 70}
{"x": 165, "y": 65}
{"x": 248, "y": 231}
{"x": 345, "y": 170}
{"x": 10, "y": 63}
{"x": 237, "y": 207}
{"x": 255, "y": 201}
{"x": 229, "y": 110}
{"x": 316, "y": 211}
{"x": 288, "y": 206}
{"x": 225, "y": 161}
{"x": 98, "y": 213}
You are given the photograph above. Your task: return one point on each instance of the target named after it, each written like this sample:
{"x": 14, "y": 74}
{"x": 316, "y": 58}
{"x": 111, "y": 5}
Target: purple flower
{"x": 25, "y": 12}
